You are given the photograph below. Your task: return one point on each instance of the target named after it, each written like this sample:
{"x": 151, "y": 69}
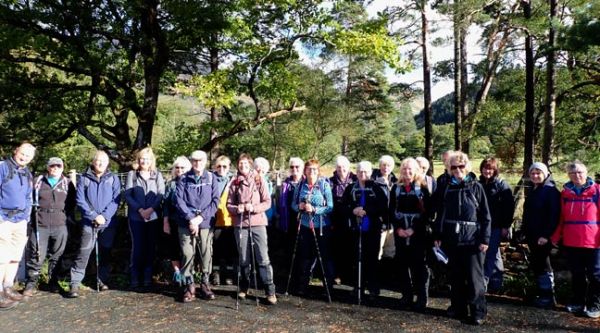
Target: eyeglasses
{"x": 55, "y": 166}
{"x": 454, "y": 167}
{"x": 222, "y": 166}
{"x": 294, "y": 167}
{"x": 313, "y": 169}
{"x": 576, "y": 173}
{"x": 179, "y": 167}
{"x": 197, "y": 161}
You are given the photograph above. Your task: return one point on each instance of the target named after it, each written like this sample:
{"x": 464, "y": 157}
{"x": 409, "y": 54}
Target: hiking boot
{"x": 12, "y": 294}
{"x": 103, "y": 287}
{"x": 575, "y": 308}
{"x": 545, "y": 302}
{"x": 593, "y": 312}
{"x": 229, "y": 281}
{"x": 6, "y": 303}
{"x": 406, "y": 301}
{"x": 189, "y": 293}
{"x": 421, "y": 304}
{"x": 73, "y": 292}
{"x": 455, "y": 313}
{"x": 272, "y": 299}
{"x": 206, "y": 292}
{"x": 216, "y": 279}
{"x": 29, "y": 290}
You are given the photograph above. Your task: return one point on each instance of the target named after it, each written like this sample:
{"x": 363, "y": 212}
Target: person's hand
{"x": 357, "y": 211}
{"x": 197, "y": 220}
{"x": 309, "y": 208}
{"x": 240, "y": 208}
{"x": 542, "y": 241}
{"x": 401, "y": 233}
{"x": 249, "y": 208}
{"x": 100, "y": 220}
{"x": 483, "y": 247}
{"x": 505, "y": 232}
{"x": 409, "y": 232}
{"x": 193, "y": 229}
{"x": 437, "y": 243}
{"x": 166, "y": 226}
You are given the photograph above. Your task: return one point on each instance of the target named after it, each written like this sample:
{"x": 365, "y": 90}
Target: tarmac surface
{"x": 125, "y": 311}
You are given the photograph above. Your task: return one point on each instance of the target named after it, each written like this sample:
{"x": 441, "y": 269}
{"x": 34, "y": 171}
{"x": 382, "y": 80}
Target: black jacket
{"x": 463, "y": 216}
{"x": 413, "y": 201}
{"x": 55, "y": 203}
{"x": 375, "y": 203}
{"x": 500, "y": 201}
{"x": 541, "y": 211}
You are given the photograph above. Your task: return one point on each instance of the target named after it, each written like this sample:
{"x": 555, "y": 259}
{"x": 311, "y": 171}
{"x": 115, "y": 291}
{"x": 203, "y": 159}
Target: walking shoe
{"x": 216, "y": 279}
{"x": 575, "y": 308}
{"x": 272, "y": 299}
{"x": 206, "y": 292}
{"x": 9, "y": 292}
{"x": 6, "y": 303}
{"x": 405, "y": 301}
{"x": 242, "y": 294}
{"x": 229, "y": 281}
{"x": 477, "y": 321}
{"x": 29, "y": 290}
{"x": 421, "y": 304}
{"x": 103, "y": 287}
{"x": 189, "y": 293}
{"x": 73, "y": 292}
{"x": 455, "y": 313}
{"x": 545, "y": 302}
{"x": 593, "y": 312}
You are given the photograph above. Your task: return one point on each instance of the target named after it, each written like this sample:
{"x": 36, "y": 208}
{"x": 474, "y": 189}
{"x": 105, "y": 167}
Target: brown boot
{"x": 6, "y": 303}
{"x": 206, "y": 292}
{"x": 12, "y": 294}
{"x": 189, "y": 293}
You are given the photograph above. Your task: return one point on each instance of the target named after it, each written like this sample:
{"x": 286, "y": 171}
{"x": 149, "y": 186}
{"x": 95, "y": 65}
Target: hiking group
{"x": 336, "y": 228}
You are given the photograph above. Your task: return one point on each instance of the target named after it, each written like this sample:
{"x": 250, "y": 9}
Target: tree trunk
{"x": 214, "y": 114}
{"x": 457, "y": 82}
{"x": 529, "y": 94}
{"x": 464, "y": 83}
{"x": 426, "y": 86}
{"x": 550, "y": 113}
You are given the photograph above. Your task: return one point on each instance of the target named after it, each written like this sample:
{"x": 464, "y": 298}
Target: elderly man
{"x": 98, "y": 196}
{"x": 15, "y": 209}
{"x": 197, "y": 199}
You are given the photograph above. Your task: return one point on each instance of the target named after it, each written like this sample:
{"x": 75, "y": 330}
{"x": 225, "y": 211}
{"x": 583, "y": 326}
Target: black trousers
{"x": 467, "y": 280}
{"x": 413, "y": 272}
{"x": 307, "y": 255}
{"x": 52, "y": 242}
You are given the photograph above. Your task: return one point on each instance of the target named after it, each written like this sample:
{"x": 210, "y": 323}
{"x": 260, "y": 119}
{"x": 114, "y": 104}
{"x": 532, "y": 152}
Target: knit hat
{"x": 540, "y": 166}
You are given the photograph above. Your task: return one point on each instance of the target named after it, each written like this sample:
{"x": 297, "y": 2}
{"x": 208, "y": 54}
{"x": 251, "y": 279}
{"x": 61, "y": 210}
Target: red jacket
{"x": 580, "y": 215}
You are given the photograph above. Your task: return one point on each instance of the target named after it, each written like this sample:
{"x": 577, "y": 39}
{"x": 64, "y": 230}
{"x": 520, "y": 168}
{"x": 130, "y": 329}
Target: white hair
{"x": 262, "y": 164}
{"x": 342, "y": 160}
{"x": 387, "y": 159}
{"x": 298, "y": 161}
{"x": 423, "y": 162}
{"x": 364, "y": 166}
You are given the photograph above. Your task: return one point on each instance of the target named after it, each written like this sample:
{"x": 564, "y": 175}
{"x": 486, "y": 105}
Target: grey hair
{"x": 364, "y": 165}
{"x": 262, "y": 164}
{"x": 387, "y": 159}
{"x": 577, "y": 164}
{"x": 297, "y": 160}
{"x": 423, "y": 162}
{"x": 342, "y": 160}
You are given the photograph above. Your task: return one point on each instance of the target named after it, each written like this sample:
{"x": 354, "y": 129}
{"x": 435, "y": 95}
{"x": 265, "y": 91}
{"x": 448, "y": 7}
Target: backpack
{"x": 11, "y": 174}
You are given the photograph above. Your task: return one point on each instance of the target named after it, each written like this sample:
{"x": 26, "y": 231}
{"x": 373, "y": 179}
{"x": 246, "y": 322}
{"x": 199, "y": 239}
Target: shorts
{"x": 13, "y": 238}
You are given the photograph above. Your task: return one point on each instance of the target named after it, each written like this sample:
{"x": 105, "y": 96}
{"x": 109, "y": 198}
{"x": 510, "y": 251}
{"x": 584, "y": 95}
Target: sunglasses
{"x": 55, "y": 166}
{"x": 179, "y": 167}
{"x": 294, "y": 167}
{"x": 454, "y": 167}
{"x": 222, "y": 166}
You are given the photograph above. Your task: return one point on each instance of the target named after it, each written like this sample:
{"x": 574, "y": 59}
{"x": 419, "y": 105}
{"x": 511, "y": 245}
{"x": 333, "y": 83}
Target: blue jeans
{"x": 494, "y": 267}
{"x": 106, "y": 238}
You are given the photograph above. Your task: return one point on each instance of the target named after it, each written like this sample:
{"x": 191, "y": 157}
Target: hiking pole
{"x": 359, "y": 282}
{"x": 95, "y": 233}
{"x": 239, "y": 268}
{"x": 287, "y": 288}
{"x": 36, "y": 205}
{"x": 254, "y": 268}
{"x": 312, "y": 228}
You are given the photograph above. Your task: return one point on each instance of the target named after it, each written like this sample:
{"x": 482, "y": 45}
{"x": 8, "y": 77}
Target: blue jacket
{"x": 319, "y": 197}
{"x": 197, "y": 196}
{"x": 98, "y": 196}
{"x": 143, "y": 193}
{"x": 16, "y": 185}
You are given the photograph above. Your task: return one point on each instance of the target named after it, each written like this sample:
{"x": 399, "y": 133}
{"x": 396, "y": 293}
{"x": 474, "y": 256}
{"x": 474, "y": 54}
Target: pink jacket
{"x": 580, "y": 215}
{"x": 253, "y": 189}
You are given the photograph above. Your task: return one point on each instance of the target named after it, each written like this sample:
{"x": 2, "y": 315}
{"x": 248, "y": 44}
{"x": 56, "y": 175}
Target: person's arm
{"x": 265, "y": 197}
{"x": 180, "y": 202}
{"x": 209, "y": 211}
{"x": 160, "y": 188}
{"x": 552, "y": 207}
{"x": 328, "y": 197}
{"x": 483, "y": 217}
{"x": 70, "y": 202}
{"x": 130, "y": 199}
{"x": 87, "y": 211}
{"x": 507, "y": 206}
{"x": 111, "y": 209}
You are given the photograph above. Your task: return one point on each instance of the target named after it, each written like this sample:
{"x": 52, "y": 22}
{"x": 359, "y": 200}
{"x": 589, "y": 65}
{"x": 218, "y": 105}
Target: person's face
{"x": 179, "y": 170}
{"x": 342, "y": 170}
{"x": 244, "y": 167}
{"x": 578, "y": 176}
{"x": 311, "y": 172}
{"x": 385, "y": 168}
{"x": 222, "y": 168}
{"x": 55, "y": 170}
{"x": 423, "y": 168}
{"x": 407, "y": 172}
{"x": 536, "y": 176}
{"x": 363, "y": 175}
{"x": 487, "y": 172}
{"x": 259, "y": 170}
{"x": 100, "y": 164}
{"x": 295, "y": 170}
{"x": 145, "y": 162}
{"x": 199, "y": 164}
{"x": 458, "y": 170}
{"x": 23, "y": 155}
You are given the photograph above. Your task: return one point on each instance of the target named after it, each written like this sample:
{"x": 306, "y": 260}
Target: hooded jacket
{"x": 500, "y": 201}
{"x": 541, "y": 211}
{"x": 54, "y": 203}
{"x": 284, "y": 207}
{"x": 375, "y": 203}
{"x": 580, "y": 214}
{"x": 250, "y": 188}
{"x": 463, "y": 216}
{"x": 197, "y": 196}
{"x": 98, "y": 196}
{"x": 408, "y": 207}
{"x": 320, "y": 197}
{"x": 15, "y": 191}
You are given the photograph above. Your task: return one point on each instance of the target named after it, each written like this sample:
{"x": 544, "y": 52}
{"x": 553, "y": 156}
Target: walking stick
{"x": 36, "y": 205}
{"x": 239, "y": 268}
{"x": 312, "y": 228}
{"x": 293, "y": 258}
{"x": 95, "y": 232}
{"x": 359, "y": 283}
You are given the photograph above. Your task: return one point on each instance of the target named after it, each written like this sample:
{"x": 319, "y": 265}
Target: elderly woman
{"x": 429, "y": 180}
{"x": 223, "y": 234}
{"x": 144, "y": 192}
{"x": 409, "y": 219}
{"x": 579, "y": 229}
{"x": 342, "y": 233}
{"x": 463, "y": 226}
{"x": 314, "y": 201}
{"x": 502, "y": 207}
{"x": 541, "y": 212}
{"x": 247, "y": 202}
{"x": 287, "y": 219}
{"x": 367, "y": 203}
{"x": 181, "y": 165}
{"x": 262, "y": 167}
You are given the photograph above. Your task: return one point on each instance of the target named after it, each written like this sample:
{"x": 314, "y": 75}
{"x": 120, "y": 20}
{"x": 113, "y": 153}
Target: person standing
{"x": 197, "y": 201}
{"x": 579, "y": 229}
{"x": 409, "y": 198}
{"x": 144, "y": 192}
{"x": 54, "y": 195}
{"x": 502, "y": 208}
{"x": 98, "y": 198}
{"x": 223, "y": 237}
{"x": 15, "y": 211}
{"x": 541, "y": 212}
{"x": 247, "y": 202}
{"x": 462, "y": 227}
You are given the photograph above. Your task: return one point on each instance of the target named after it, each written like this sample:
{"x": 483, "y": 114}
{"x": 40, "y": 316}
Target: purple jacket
{"x": 98, "y": 196}
{"x": 284, "y": 205}
{"x": 197, "y": 196}
{"x": 15, "y": 192}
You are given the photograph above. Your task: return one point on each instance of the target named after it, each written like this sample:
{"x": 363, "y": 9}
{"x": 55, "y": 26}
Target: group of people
{"x": 339, "y": 227}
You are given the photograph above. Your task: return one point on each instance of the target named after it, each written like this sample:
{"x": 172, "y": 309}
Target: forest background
{"x": 300, "y": 78}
